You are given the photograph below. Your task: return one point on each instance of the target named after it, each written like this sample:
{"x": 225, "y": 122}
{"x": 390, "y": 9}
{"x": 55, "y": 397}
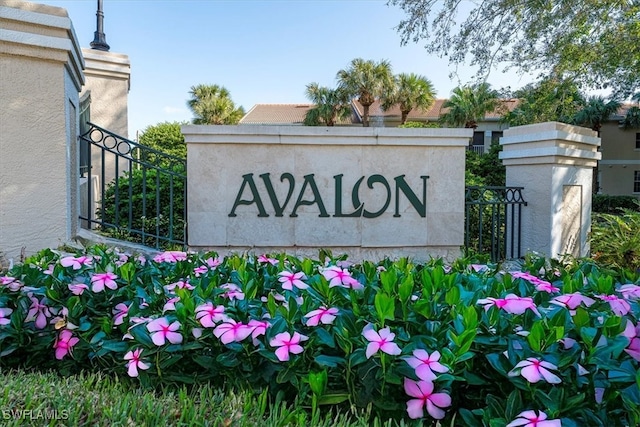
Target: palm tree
{"x": 595, "y": 112}
{"x": 212, "y": 105}
{"x": 331, "y": 105}
{"x": 368, "y": 80}
{"x": 469, "y": 104}
{"x": 632, "y": 118}
{"x": 411, "y": 92}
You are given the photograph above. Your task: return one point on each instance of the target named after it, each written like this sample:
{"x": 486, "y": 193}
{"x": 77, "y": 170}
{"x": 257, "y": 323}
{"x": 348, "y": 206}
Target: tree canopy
{"x": 411, "y": 91}
{"x": 331, "y": 105}
{"x": 470, "y": 104}
{"x": 212, "y": 105}
{"x": 166, "y": 137}
{"x": 596, "y": 43}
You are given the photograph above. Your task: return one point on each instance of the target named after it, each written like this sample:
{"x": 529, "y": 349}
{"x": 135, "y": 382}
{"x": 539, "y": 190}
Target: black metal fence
{"x": 492, "y": 221}
{"x": 133, "y": 192}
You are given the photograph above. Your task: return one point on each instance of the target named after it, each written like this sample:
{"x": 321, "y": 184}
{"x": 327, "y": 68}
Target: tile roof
{"x": 432, "y": 114}
{"x": 272, "y": 114}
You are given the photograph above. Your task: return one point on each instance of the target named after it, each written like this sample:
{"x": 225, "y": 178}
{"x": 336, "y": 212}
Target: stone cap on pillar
{"x": 550, "y": 143}
{"x": 105, "y": 64}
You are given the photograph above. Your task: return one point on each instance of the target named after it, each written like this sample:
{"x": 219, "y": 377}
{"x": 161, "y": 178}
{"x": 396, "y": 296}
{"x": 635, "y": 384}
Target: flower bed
{"x": 467, "y": 344}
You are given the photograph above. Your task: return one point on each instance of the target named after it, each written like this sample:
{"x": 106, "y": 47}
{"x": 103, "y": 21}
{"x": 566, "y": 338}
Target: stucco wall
{"x": 620, "y": 158}
{"x": 41, "y": 71}
{"x": 225, "y": 164}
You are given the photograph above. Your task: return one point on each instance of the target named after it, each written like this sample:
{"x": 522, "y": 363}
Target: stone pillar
{"x": 554, "y": 163}
{"x": 41, "y": 75}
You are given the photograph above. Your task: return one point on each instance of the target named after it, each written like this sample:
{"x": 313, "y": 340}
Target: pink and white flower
{"x": 135, "y": 362}
{"x": 213, "y": 262}
{"x": 232, "y": 331}
{"x": 5, "y": 312}
{"x": 511, "y": 304}
{"x": 533, "y": 419}
{"x": 425, "y": 364}
{"x": 100, "y": 280}
{"x": 323, "y": 315}
{"x": 120, "y": 311}
{"x": 208, "y": 315}
{"x": 12, "y": 283}
{"x": 170, "y": 305}
{"x": 633, "y": 333}
{"x": 289, "y": 280}
{"x": 380, "y": 341}
{"x": 233, "y": 291}
{"x": 180, "y": 284}
{"x": 76, "y": 262}
{"x": 259, "y": 327}
{"x": 64, "y": 343}
{"x": 39, "y": 312}
{"x": 162, "y": 331}
{"x": 263, "y": 259}
{"x": 572, "y": 301}
{"x": 340, "y": 277}
{"x": 425, "y": 397}
{"x": 630, "y": 291}
{"x": 287, "y": 344}
{"x": 619, "y": 306}
{"x": 198, "y": 271}
{"x": 171, "y": 256}
{"x": 534, "y": 370}
{"x": 77, "y": 288}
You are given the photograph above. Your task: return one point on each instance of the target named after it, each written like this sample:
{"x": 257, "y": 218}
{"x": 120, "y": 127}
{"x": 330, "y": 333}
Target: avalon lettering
{"x": 377, "y": 183}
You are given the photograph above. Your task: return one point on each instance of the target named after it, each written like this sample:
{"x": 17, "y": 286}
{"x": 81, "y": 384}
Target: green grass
{"x": 38, "y": 398}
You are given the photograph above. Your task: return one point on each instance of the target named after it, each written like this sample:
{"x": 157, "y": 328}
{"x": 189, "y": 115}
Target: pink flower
{"x": 289, "y": 280}
{"x": 4, "y": 313}
{"x": 479, "y": 268}
{"x": 200, "y": 270}
{"x": 382, "y": 340}
{"x": 511, "y": 304}
{"x": 77, "y": 288}
{"x": 120, "y": 311}
{"x": 287, "y": 344}
{"x": 232, "y": 331}
{"x": 531, "y": 419}
{"x": 424, "y": 396}
{"x": 171, "y": 256}
{"x": 134, "y": 362}
{"x": 541, "y": 285}
{"x": 633, "y": 333}
{"x": 76, "y": 263}
{"x": 49, "y": 270}
{"x": 180, "y": 284}
{"x": 599, "y": 394}
{"x": 263, "y": 259}
{"x": 38, "y": 312}
{"x": 141, "y": 259}
{"x": 64, "y": 343}
{"x": 572, "y": 301}
{"x": 170, "y": 305}
{"x": 209, "y": 316}
{"x": 122, "y": 260}
{"x": 100, "y": 280}
{"x": 11, "y": 282}
{"x": 258, "y": 328}
{"x": 535, "y": 370}
{"x": 340, "y": 277}
{"x": 424, "y": 364}
{"x": 619, "y": 306}
{"x": 285, "y": 303}
{"x": 213, "y": 262}
{"x": 323, "y": 315}
{"x": 630, "y": 291}
{"x": 233, "y": 291}
{"x": 162, "y": 331}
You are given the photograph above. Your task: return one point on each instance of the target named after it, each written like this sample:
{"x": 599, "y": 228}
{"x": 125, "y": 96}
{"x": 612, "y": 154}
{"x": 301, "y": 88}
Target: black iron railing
{"x": 493, "y": 221}
{"x": 134, "y": 192}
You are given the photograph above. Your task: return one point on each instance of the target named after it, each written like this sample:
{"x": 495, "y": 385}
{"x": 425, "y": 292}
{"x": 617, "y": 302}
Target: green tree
{"x": 166, "y": 137}
{"x": 470, "y": 104}
{"x": 548, "y": 100}
{"x": 212, "y": 105}
{"x": 594, "y": 42}
{"x": 368, "y": 80}
{"x": 632, "y": 118}
{"x": 595, "y": 112}
{"x": 331, "y": 105}
{"x": 411, "y": 91}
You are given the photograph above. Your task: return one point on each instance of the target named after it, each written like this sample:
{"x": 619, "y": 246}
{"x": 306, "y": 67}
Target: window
{"x": 638, "y": 141}
{"x": 478, "y": 138}
{"x": 636, "y": 181}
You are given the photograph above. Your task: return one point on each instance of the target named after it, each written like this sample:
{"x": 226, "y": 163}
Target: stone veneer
{"x": 224, "y": 218}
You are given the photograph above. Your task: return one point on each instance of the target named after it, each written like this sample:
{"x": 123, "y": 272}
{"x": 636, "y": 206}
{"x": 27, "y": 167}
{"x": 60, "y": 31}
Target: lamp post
{"x": 99, "y": 39}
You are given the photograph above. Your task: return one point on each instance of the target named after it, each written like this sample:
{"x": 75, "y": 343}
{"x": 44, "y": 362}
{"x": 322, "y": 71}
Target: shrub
{"x": 485, "y": 169}
{"x": 478, "y": 345}
{"x": 615, "y": 239}
{"x": 603, "y": 203}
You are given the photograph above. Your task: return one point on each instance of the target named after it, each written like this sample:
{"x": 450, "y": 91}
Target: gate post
{"x": 554, "y": 163}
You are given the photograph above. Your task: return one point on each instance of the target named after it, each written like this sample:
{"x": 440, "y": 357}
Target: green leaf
{"x": 324, "y": 337}
{"x": 535, "y": 336}
{"x": 329, "y": 361}
{"x": 388, "y": 280}
{"x": 406, "y": 288}
{"x": 333, "y": 398}
{"x": 452, "y": 296}
{"x": 385, "y": 307}
{"x": 318, "y": 382}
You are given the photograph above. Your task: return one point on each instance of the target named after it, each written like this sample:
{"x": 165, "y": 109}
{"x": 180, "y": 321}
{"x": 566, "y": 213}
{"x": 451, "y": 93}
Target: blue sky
{"x": 262, "y": 51}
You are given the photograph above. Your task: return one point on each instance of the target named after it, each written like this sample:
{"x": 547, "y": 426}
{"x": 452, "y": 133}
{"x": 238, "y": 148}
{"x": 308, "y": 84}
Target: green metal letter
{"x": 248, "y": 179}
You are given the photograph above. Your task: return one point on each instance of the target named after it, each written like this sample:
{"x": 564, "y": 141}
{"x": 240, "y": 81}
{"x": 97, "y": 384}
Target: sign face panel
{"x": 352, "y": 189}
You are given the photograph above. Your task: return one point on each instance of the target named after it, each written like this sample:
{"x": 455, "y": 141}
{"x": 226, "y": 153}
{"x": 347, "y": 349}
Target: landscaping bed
{"x": 460, "y": 344}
